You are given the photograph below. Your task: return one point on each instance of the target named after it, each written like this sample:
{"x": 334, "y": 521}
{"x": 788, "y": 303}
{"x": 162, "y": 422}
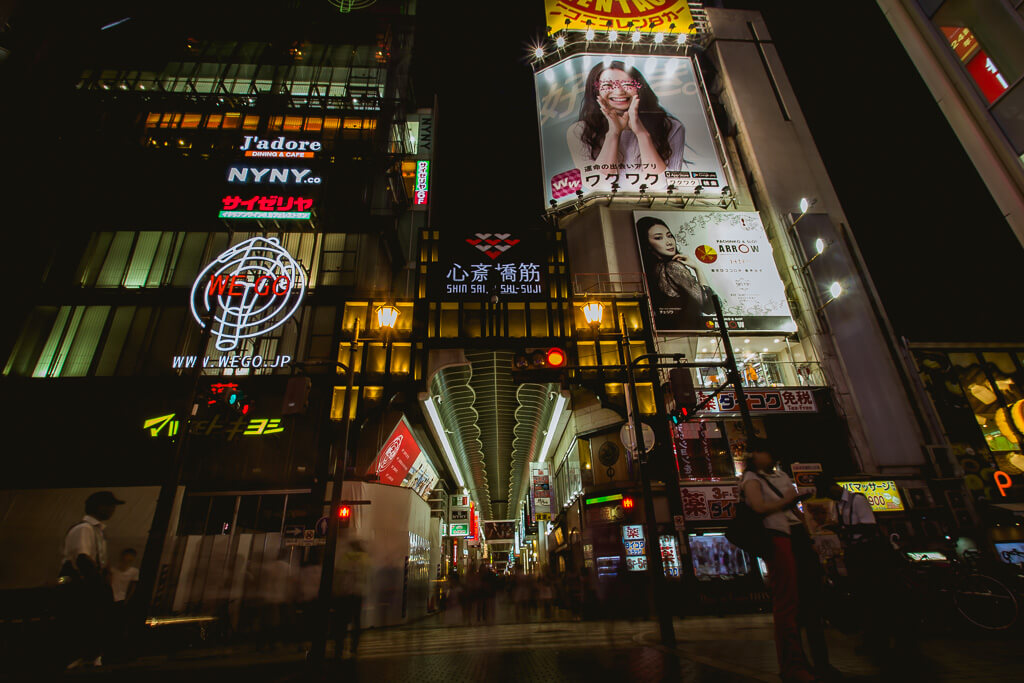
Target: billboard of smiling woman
{"x": 627, "y": 123}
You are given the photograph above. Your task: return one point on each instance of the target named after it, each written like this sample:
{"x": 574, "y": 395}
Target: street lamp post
{"x": 386, "y": 316}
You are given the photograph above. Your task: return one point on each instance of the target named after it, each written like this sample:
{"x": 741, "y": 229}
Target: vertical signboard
{"x": 540, "y": 491}
{"x": 625, "y": 123}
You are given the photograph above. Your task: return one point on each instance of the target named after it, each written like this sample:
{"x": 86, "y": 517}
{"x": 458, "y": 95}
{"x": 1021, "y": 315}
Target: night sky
{"x": 943, "y": 259}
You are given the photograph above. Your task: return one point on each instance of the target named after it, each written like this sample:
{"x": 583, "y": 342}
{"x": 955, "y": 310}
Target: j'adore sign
{"x": 250, "y": 289}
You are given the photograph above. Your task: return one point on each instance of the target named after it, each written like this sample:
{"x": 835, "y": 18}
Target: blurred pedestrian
{"x": 352, "y": 585}
{"x": 868, "y": 557}
{"x": 794, "y": 570}
{"x": 87, "y": 596}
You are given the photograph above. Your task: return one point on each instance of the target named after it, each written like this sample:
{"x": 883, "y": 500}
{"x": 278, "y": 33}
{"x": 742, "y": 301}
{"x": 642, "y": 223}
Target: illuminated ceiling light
{"x": 835, "y": 289}
{"x": 806, "y": 203}
{"x": 613, "y": 36}
{"x": 560, "y": 42}
{"x": 681, "y": 39}
{"x": 819, "y": 245}
{"x": 387, "y": 316}
{"x": 765, "y": 350}
{"x": 659, "y": 37}
{"x": 776, "y": 341}
{"x": 435, "y": 421}
{"x": 550, "y": 435}
{"x": 746, "y": 341}
{"x": 635, "y": 37}
{"x": 538, "y": 52}
{"x": 590, "y": 34}
{"x": 593, "y": 312}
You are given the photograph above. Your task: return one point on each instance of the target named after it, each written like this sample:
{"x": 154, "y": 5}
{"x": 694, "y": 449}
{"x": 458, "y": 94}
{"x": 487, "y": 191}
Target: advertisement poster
{"x": 883, "y": 496}
{"x": 689, "y": 256}
{"x": 652, "y": 15}
{"x": 497, "y": 530}
{"x": 625, "y": 123}
{"x": 402, "y": 462}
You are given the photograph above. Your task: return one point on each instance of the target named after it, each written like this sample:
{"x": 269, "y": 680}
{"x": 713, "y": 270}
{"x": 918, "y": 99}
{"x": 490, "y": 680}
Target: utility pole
{"x": 318, "y": 650}
{"x": 159, "y": 527}
{"x": 659, "y": 595}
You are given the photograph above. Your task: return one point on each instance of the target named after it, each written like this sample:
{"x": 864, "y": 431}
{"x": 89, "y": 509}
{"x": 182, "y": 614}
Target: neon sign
{"x": 422, "y": 183}
{"x": 279, "y": 148}
{"x": 266, "y": 207}
{"x": 262, "y": 174}
{"x": 242, "y": 426}
{"x": 249, "y": 290}
{"x": 1003, "y": 481}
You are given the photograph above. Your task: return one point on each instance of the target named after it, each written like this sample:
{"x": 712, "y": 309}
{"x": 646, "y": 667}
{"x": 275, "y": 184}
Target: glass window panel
{"x": 516, "y": 319}
{"x": 587, "y": 353}
{"x": 538, "y": 320}
{"x": 117, "y": 258}
{"x": 119, "y": 327}
{"x": 142, "y": 259}
{"x": 449, "y": 319}
{"x": 53, "y": 342}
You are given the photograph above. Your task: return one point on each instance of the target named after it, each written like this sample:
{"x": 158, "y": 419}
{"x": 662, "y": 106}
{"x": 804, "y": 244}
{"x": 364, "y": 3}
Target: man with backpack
{"x": 84, "y": 578}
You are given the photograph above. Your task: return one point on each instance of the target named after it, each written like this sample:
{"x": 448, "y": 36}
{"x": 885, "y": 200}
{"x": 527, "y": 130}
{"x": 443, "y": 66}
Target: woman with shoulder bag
{"x": 794, "y": 572}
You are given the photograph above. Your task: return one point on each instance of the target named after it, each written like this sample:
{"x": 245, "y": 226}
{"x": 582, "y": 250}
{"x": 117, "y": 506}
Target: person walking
{"x": 794, "y": 571}
{"x": 352, "y": 584}
{"x": 867, "y": 556}
{"x": 88, "y": 598}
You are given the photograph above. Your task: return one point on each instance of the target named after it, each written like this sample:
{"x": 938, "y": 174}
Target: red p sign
{"x": 1003, "y": 481}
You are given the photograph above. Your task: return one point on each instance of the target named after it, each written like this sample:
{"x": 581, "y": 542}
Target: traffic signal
{"x": 225, "y": 397}
{"x": 540, "y": 365}
{"x": 683, "y": 393}
{"x": 627, "y": 503}
{"x": 296, "y": 395}
{"x": 344, "y": 516}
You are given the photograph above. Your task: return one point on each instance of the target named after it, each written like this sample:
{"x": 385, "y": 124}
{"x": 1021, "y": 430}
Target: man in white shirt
{"x": 865, "y": 553}
{"x": 85, "y": 573}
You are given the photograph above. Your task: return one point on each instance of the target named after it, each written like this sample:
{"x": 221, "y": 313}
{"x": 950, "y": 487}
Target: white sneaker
{"x": 98, "y": 661}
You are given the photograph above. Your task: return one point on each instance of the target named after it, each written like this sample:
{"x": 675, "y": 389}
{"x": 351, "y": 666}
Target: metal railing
{"x": 757, "y": 373}
{"x": 609, "y": 284}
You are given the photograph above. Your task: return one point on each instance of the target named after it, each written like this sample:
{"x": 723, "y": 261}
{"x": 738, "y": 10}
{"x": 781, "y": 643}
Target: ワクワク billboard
{"x": 627, "y": 124}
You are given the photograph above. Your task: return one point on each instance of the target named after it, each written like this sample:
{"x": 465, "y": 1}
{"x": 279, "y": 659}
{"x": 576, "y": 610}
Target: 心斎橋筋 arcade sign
{"x": 250, "y": 289}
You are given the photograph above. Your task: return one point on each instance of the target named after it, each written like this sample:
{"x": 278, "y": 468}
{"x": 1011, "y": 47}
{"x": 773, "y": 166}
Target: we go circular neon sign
{"x": 247, "y": 291}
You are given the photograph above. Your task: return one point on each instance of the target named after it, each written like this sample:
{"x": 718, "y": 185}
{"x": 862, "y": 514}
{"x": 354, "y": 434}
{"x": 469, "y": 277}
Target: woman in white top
{"x": 793, "y": 567}
{"x": 622, "y": 126}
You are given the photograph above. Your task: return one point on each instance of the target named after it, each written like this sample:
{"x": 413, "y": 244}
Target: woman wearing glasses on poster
{"x": 680, "y": 294}
{"x": 623, "y": 126}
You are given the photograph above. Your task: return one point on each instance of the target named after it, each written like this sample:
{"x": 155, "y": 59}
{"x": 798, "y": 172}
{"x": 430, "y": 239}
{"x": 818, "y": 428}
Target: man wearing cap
{"x": 84, "y": 571}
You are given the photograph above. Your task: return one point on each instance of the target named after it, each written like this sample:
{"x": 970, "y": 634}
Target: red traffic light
{"x": 627, "y": 503}
{"x": 556, "y": 358}
{"x": 344, "y": 512}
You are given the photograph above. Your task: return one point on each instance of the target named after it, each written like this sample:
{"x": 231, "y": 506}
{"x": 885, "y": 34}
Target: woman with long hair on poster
{"x": 622, "y": 123}
{"x": 680, "y": 294}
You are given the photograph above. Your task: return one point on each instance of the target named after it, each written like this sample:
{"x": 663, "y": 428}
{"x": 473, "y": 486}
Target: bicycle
{"x": 980, "y": 599}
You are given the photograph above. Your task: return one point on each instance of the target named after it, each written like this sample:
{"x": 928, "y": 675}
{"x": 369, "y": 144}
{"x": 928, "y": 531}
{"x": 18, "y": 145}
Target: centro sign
{"x": 249, "y": 290}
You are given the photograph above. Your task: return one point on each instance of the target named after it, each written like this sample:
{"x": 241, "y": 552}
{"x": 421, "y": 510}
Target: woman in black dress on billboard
{"x": 680, "y": 294}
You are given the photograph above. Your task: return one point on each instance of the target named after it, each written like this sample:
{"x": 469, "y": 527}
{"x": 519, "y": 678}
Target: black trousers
{"x": 87, "y": 608}
{"x": 348, "y": 609}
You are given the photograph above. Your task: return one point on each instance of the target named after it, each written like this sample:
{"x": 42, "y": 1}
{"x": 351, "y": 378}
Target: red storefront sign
{"x": 397, "y": 456}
